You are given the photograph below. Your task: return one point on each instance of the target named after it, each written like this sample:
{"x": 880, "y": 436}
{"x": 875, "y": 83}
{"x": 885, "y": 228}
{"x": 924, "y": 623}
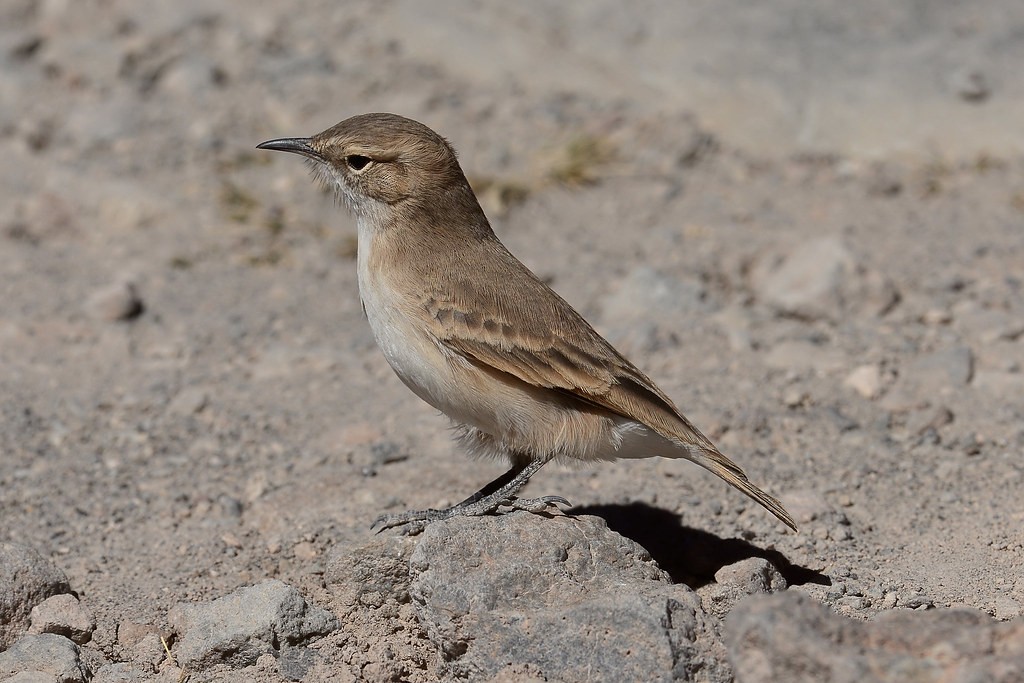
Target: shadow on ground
{"x": 689, "y": 555}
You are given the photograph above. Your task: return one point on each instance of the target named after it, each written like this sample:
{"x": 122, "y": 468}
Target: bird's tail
{"x": 714, "y": 461}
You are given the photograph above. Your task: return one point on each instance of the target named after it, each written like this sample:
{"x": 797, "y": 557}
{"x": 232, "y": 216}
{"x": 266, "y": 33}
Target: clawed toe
{"x": 538, "y": 504}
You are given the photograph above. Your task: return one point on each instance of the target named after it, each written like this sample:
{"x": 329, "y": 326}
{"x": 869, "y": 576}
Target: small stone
{"x": 794, "y": 398}
{"x": 932, "y": 419}
{"x": 26, "y": 579}
{"x": 130, "y": 632}
{"x": 238, "y": 628}
{"x": 934, "y": 317}
{"x": 46, "y": 653}
{"x": 915, "y": 601}
{"x": 808, "y": 282}
{"x": 1006, "y": 608}
{"x": 1004, "y": 385}
{"x": 305, "y": 551}
{"x": 64, "y": 615}
{"x": 789, "y": 637}
{"x": 753, "y": 575}
{"x": 148, "y": 650}
{"x": 117, "y": 302}
{"x": 970, "y": 84}
{"x": 853, "y": 602}
{"x": 930, "y": 376}
{"x": 866, "y": 380}
{"x": 189, "y": 401}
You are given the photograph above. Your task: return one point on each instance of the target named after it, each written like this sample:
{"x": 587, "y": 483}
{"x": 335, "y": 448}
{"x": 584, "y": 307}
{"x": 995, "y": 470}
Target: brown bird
{"x": 478, "y": 336}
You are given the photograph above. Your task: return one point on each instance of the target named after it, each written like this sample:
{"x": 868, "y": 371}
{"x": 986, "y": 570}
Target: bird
{"x": 474, "y": 333}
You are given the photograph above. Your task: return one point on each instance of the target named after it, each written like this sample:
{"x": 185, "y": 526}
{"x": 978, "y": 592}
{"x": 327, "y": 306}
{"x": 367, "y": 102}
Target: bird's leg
{"x": 500, "y": 492}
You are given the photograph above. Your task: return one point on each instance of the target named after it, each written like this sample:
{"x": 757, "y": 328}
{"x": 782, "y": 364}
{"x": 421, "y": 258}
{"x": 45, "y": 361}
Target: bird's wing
{"x": 538, "y": 338}
{"x": 532, "y": 334}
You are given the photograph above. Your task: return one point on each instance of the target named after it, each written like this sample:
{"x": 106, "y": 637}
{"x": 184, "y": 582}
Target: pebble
{"x": 26, "y": 580}
{"x": 784, "y": 636}
{"x": 64, "y": 615}
{"x": 866, "y": 380}
{"x": 930, "y": 376}
{"x": 240, "y": 627}
{"x": 45, "y": 653}
{"x": 810, "y": 280}
{"x": 970, "y": 84}
{"x": 117, "y": 302}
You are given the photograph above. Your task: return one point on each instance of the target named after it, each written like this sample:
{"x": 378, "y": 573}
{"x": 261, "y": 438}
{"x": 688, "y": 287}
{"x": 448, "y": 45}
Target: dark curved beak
{"x": 297, "y": 145}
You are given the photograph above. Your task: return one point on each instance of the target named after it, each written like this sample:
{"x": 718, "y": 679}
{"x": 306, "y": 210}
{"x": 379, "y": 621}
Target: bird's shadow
{"x": 689, "y": 555}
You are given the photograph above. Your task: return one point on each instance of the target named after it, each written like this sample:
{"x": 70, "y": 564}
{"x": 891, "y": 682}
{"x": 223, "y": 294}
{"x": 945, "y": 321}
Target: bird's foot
{"x": 415, "y": 521}
{"x": 536, "y": 504}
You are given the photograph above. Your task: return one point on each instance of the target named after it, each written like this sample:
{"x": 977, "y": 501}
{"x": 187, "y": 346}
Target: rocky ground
{"x": 806, "y": 226}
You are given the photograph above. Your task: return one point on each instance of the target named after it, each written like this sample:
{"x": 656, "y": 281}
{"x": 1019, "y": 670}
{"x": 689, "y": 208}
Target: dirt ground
{"x": 807, "y": 227}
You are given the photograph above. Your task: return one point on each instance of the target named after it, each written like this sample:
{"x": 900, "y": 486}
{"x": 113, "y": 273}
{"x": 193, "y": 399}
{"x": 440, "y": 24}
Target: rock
{"x": 866, "y": 380}
{"x": 46, "y": 653}
{"x": 930, "y": 376}
{"x": 1004, "y": 385}
{"x": 790, "y": 637}
{"x": 117, "y": 302}
{"x": 189, "y": 401}
{"x": 26, "y": 579}
{"x": 31, "y": 677}
{"x": 932, "y": 419}
{"x": 733, "y": 582}
{"x": 808, "y": 282}
{"x": 65, "y": 616}
{"x": 148, "y": 650}
{"x": 237, "y": 628}
{"x": 820, "y": 280}
{"x": 122, "y": 672}
{"x": 565, "y": 595}
{"x": 970, "y": 84}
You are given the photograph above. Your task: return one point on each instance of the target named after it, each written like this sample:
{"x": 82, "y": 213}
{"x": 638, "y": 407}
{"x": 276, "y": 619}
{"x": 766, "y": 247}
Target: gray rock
{"x": 237, "y": 628}
{"x": 26, "y": 579}
{"x": 1005, "y": 385}
{"x": 117, "y": 302}
{"x": 790, "y": 637}
{"x": 930, "y": 376}
{"x": 808, "y": 282}
{"x": 31, "y": 677}
{"x": 733, "y": 582}
{"x": 866, "y": 380}
{"x": 820, "y": 280}
{"x": 121, "y": 672}
{"x": 64, "y": 615}
{"x": 565, "y": 595}
{"x": 46, "y": 653}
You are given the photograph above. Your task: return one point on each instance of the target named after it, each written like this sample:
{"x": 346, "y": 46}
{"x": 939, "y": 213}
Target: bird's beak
{"x": 297, "y": 145}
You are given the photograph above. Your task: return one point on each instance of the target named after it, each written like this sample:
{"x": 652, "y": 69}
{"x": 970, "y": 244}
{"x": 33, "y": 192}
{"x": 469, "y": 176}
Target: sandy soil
{"x": 817, "y": 252}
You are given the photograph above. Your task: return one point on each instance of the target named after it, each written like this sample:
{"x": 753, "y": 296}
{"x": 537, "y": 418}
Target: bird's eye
{"x": 357, "y": 162}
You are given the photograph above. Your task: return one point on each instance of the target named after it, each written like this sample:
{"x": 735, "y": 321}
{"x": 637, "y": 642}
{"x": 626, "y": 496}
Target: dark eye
{"x": 357, "y": 162}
